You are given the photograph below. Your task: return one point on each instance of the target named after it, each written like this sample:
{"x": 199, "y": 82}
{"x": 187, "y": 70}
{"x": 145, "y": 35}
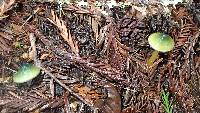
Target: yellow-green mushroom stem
{"x": 160, "y": 42}
{"x": 153, "y": 57}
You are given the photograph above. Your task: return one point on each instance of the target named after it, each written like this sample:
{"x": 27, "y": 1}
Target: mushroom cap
{"x": 26, "y": 73}
{"x": 161, "y": 42}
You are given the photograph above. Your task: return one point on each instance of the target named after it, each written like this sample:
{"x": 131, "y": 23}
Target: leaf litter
{"x": 93, "y": 59}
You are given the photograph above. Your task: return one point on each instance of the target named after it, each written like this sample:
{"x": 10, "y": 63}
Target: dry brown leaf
{"x": 4, "y": 44}
{"x": 17, "y": 29}
{"x": 5, "y": 6}
{"x": 87, "y": 93}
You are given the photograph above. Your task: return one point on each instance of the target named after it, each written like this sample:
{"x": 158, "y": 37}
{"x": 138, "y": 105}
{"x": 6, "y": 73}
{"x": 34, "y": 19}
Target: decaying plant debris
{"x": 93, "y": 62}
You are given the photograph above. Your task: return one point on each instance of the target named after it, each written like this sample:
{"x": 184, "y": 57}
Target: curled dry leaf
{"x": 87, "y": 93}
{"x": 106, "y": 103}
{"x": 111, "y": 104}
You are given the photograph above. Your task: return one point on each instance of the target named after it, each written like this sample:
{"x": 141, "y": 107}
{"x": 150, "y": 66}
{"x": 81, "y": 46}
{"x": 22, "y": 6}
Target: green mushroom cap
{"x": 161, "y": 42}
{"x": 26, "y": 73}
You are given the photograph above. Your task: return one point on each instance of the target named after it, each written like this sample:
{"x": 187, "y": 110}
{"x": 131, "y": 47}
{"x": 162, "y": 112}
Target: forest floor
{"x": 93, "y": 59}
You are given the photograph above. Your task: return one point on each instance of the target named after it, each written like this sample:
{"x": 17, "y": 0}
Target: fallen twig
{"x": 66, "y": 87}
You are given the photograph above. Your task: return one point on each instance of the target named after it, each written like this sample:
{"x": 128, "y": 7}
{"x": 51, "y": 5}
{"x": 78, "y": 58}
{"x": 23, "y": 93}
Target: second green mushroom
{"x": 26, "y": 73}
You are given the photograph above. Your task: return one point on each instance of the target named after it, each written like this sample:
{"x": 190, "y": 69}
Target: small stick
{"x": 66, "y": 87}
{"x": 66, "y": 101}
{"x": 52, "y": 86}
{"x": 33, "y": 52}
{"x": 34, "y": 12}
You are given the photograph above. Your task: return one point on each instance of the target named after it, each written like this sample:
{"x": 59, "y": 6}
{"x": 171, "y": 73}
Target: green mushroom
{"x": 26, "y": 73}
{"x": 160, "y": 42}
